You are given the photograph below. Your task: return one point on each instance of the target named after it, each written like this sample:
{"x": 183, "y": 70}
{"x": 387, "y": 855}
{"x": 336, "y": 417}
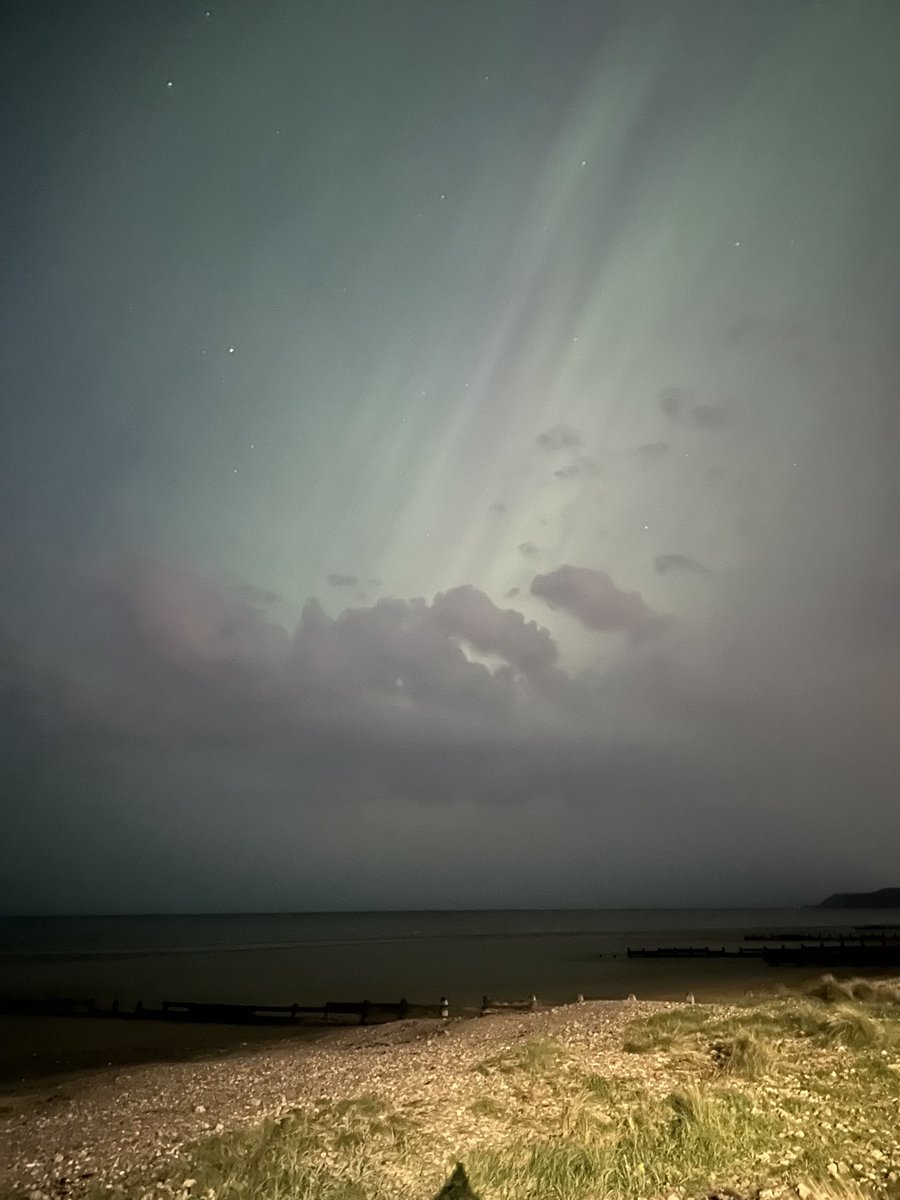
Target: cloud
{"x": 497, "y": 509}
{"x": 152, "y": 682}
{"x": 559, "y": 437}
{"x": 470, "y": 614}
{"x": 682, "y": 406}
{"x": 593, "y": 599}
{"x": 342, "y": 580}
{"x": 672, "y": 400}
{"x": 580, "y": 466}
{"x": 664, "y": 563}
{"x": 529, "y": 549}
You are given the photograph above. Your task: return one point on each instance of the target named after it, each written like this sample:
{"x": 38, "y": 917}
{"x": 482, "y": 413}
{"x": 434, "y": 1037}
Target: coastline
{"x": 47, "y": 1053}
{"x": 767, "y": 1089}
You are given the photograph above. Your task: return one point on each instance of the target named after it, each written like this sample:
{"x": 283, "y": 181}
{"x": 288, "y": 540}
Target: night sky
{"x": 449, "y": 453}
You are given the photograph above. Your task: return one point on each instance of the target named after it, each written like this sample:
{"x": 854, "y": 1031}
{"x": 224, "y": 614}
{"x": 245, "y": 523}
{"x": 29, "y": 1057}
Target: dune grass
{"x": 654, "y": 1145}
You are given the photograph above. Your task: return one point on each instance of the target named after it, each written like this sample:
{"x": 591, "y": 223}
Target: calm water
{"x": 313, "y": 957}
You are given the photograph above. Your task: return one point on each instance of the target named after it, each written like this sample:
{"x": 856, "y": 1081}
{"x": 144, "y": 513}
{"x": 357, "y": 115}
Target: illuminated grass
{"x": 536, "y": 1056}
{"x": 687, "y": 1140}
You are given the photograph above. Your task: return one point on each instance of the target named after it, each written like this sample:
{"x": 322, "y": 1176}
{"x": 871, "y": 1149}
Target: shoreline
{"x": 48, "y": 1052}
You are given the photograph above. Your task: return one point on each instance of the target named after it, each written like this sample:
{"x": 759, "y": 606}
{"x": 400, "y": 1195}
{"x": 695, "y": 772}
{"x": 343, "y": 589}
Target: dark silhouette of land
{"x": 883, "y": 898}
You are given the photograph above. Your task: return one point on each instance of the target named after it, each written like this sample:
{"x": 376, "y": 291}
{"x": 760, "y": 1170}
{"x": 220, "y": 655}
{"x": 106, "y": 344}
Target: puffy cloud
{"x": 346, "y": 581}
{"x": 529, "y": 549}
{"x": 471, "y": 615}
{"x": 593, "y": 599}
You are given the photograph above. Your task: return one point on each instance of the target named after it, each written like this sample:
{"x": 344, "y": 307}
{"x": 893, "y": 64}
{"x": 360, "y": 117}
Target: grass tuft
{"x": 535, "y": 1056}
{"x": 746, "y": 1054}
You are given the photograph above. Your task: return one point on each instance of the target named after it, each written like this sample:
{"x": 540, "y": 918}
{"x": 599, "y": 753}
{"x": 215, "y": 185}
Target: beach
{"x": 110, "y": 1122}
{"x": 412, "y": 1098}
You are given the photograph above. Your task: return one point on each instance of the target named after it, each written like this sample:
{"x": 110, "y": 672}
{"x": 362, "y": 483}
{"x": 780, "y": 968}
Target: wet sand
{"x": 46, "y": 1053}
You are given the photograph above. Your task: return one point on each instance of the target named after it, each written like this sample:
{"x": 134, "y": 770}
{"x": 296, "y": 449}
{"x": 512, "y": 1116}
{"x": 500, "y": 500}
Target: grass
{"x": 341, "y": 1150}
{"x": 534, "y": 1056}
{"x": 684, "y": 1140}
{"x": 790, "y": 1089}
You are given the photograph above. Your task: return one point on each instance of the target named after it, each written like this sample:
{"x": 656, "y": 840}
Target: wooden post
{"x": 363, "y": 1012}
{"x": 579, "y": 999}
{"x": 532, "y": 1001}
{"x": 402, "y": 1008}
{"x": 445, "y": 1007}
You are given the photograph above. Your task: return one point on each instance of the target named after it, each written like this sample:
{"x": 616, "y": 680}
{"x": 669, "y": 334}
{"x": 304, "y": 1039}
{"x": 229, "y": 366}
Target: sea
{"x": 310, "y": 958}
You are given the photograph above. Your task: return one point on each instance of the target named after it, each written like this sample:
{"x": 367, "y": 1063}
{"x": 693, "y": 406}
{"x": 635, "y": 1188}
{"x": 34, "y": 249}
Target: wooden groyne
{"x": 493, "y": 1006}
{"x": 858, "y": 953}
{"x": 364, "y": 1011}
{"x": 819, "y": 936}
{"x": 695, "y": 952}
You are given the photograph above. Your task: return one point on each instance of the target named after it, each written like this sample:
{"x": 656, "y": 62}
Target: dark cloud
{"x": 593, "y": 599}
{"x": 559, "y": 437}
{"x": 673, "y": 400}
{"x": 529, "y": 549}
{"x": 580, "y": 466}
{"x": 470, "y": 615}
{"x": 155, "y": 683}
{"x": 664, "y": 563}
{"x": 497, "y": 508}
{"x": 342, "y": 580}
{"x": 682, "y": 406}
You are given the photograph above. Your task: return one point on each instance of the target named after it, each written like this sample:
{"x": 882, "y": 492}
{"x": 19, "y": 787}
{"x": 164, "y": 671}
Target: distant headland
{"x": 883, "y": 898}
